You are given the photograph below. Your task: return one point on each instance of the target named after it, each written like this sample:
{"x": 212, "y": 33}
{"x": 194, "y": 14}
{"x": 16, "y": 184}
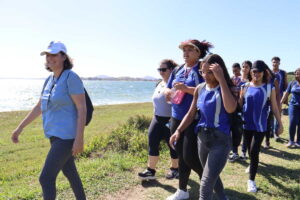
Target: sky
{"x": 130, "y": 38}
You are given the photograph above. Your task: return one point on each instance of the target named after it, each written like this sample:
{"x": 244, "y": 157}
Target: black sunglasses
{"x": 162, "y": 69}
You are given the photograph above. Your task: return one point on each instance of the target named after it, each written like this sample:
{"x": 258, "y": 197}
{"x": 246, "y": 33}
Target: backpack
{"x": 88, "y": 102}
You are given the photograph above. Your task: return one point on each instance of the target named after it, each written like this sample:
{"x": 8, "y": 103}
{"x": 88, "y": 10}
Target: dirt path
{"x": 158, "y": 189}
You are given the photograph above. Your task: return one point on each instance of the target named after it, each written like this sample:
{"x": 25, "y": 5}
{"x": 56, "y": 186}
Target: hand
{"x": 180, "y": 86}
{"x": 77, "y": 146}
{"x": 280, "y": 129}
{"x": 174, "y": 138}
{"x": 15, "y": 135}
{"x": 217, "y": 71}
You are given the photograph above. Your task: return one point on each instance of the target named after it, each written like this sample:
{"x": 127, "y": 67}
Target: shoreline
{"x": 95, "y": 106}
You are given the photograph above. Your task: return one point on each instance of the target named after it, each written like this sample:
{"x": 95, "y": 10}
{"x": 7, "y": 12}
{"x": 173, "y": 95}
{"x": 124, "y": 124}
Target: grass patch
{"x": 116, "y": 148}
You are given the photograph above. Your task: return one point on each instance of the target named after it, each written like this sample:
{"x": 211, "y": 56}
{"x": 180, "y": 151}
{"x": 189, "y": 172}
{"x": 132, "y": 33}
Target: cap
{"x": 54, "y": 48}
{"x": 259, "y": 65}
{"x": 193, "y": 43}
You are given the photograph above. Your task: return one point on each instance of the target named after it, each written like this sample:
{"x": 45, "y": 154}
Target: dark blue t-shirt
{"x": 212, "y": 111}
{"x": 280, "y": 76}
{"x": 294, "y": 89}
{"x": 256, "y": 107}
{"x": 192, "y": 79}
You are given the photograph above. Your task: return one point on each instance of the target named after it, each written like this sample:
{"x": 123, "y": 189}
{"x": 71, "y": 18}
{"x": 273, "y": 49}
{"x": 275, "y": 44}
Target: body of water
{"x": 23, "y": 94}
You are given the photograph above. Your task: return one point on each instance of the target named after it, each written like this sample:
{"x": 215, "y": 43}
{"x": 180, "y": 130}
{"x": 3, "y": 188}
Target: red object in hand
{"x": 177, "y": 97}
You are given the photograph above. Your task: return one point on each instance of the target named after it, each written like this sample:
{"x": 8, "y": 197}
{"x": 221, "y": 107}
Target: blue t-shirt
{"x": 256, "y": 107}
{"x": 212, "y": 111}
{"x": 59, "y": 112}
{"x": 280, "y": 76}
{"x": 294, "y": 89}
{"x": 192, "y": 79}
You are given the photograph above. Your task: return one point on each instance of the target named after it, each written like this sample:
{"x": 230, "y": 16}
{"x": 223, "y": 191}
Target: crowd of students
{"x": 195, "y": 107}
{"x": 205, "y": 103}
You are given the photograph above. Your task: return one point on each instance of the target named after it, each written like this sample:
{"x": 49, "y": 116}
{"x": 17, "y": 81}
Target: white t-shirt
{"x": 160, "y": 105}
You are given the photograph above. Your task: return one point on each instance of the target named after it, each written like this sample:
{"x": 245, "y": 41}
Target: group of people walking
{"x": 195, "y": 105}
{"x": 204, "y": 103}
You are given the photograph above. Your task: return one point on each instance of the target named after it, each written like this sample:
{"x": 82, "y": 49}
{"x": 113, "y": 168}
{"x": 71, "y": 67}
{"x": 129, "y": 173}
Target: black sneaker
{"x": 148, "y": 174}
{"x": 243, "y": 156}
{"x": 173, "y": 173}
{"x": 234, "y": 157}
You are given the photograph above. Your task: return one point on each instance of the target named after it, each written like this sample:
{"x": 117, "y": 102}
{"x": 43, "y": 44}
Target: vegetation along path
{"x": 116, "y": 150}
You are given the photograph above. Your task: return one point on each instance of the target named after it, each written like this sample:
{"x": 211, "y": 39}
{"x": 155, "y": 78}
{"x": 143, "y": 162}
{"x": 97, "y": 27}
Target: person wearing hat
{"x": 183, "y": 81}
{"x": 255, "y": 98}
{"x": 63, "y": 108}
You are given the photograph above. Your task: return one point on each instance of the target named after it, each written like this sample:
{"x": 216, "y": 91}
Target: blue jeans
{"x": 60, "y": 158}
{"x": 294, "y": 115}
{"x": 213, "y": 148}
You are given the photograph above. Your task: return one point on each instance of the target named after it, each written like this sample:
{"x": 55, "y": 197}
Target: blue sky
{"x": 129, "y": 38}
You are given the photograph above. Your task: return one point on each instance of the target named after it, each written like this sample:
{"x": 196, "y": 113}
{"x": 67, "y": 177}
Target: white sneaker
{"x": 179, "y": 195}
{"x": 247, "y": 170}
{"x": 251, "y": 186}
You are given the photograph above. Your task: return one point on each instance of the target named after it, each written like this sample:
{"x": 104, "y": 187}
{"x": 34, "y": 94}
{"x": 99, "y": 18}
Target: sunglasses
{"x": 162, "y": 69}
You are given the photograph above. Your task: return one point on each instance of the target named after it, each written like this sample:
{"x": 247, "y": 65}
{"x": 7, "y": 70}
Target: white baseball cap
{"x": 54, "y": 48}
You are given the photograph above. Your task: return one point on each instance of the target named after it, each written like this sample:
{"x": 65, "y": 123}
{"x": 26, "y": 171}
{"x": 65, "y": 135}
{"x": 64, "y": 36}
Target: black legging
{"x": 158, "y": 131}
{"x": 253, "y": 141}
{"x": 60, "y": 158}
{"x": 187, "y": 151}
{"x": 237, "y": 132}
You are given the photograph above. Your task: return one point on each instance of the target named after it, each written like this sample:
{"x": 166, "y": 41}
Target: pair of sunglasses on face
{"x": 162, "y": 69}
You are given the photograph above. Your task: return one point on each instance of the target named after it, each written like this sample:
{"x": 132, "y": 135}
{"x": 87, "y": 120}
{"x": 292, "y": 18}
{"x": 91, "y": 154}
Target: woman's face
{"x": 164, "y": 71}
{"x": 207, "y": 74}
{"x": 55, "y": 61}
{"x": 190, "y": 54}
{"x": 297, "y": 75}
{"x": 256, "y": 75}
{"x": 245, "y": 68}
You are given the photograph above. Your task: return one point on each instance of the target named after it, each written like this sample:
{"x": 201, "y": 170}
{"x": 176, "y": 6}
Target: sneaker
{"x": 173, "y": 173}
{"x": 297, "y": 144}
{"x": 277, "y": 138}
{"x": 290, "y": 144}
{"x": 233, "y": 157}
{"x": 148, "y": 174}
{"x": 267, "y": 145}
{"x": 179, "y": 195}
{"x": 251, "y": 186}
{"x": 247, "y": 170}
{"x": 243, "y": 156}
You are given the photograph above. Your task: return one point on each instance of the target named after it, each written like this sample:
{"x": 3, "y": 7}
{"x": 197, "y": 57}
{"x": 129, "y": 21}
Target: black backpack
{"x": 88, "y": 102}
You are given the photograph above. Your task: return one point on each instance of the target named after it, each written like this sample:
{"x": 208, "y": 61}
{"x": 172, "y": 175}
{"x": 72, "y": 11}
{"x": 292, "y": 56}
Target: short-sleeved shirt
{"x": 294, "y": 89}
{"x": 212, "y": 111}
{"x": 256, "y": 107}
{"x": 280, "y": 76}
{"x": 59, "y": 112}
{"x": 191, "y": 79}
{"x": 160, "y": 105}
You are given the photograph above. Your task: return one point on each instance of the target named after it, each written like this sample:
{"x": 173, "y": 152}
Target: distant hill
{"x": 122, "y": 78}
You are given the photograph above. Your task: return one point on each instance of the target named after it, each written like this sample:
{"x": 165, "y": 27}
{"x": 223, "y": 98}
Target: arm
{"x": 34, "y": 113}
{"x": 276, "y": 111}
{"x": 79, "y": 101}
{"x": 285, "y": 80}
{"x": 184, "y": 88}
{"x": 187, "y": 120}
{"x": 227, "y": 97}
{"x": 284, "y": 97}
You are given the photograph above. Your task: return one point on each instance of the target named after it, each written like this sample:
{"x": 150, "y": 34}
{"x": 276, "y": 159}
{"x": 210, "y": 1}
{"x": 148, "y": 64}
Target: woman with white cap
{"x": 63, "y": 108}
{"x": 184, "y": 81}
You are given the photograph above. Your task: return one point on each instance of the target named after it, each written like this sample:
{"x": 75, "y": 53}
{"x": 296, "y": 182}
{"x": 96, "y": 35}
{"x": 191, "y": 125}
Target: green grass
{"x": 116, "y": 150}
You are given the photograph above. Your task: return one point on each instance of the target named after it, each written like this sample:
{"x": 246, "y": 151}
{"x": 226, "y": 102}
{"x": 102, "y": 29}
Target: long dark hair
{"x": 215, "y": 58}
{"x": 248, "y": 62}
